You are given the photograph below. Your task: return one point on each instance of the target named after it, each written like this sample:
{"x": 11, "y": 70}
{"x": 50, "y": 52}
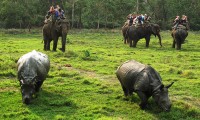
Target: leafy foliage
{"x": 97, "y": 14}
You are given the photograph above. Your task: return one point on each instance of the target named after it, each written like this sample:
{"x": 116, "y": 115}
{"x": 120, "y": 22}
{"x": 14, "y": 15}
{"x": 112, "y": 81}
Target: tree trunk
{"x": 137, "y": 7}
{"x": 73, "y": 14}
{"x": 98, "y": 21}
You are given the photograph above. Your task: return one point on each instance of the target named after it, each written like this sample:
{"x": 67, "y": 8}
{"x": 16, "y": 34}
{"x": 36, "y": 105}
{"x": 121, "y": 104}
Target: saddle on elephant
{"x": 181, "y": 26}
{"x": 145, "y": 24}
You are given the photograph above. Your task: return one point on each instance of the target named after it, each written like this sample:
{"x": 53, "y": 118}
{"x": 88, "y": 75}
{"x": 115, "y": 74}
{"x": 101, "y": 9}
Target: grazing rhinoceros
{"x": 145, "y": 81}
{"x": 33, "y": 68}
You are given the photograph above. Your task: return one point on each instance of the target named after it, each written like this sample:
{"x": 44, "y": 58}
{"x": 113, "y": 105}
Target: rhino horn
{"x": 168, "y": 86}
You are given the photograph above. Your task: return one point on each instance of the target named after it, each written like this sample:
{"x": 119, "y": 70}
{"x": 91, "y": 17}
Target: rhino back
{"x": 148, "y": 80}
{"x": 154, "y": 78}
{"x": 128, "y": 72}
{"x": 33, "y": 63}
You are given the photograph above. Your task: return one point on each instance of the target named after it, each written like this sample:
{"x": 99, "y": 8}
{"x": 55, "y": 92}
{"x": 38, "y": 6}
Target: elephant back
{"x": 181, "y": 27}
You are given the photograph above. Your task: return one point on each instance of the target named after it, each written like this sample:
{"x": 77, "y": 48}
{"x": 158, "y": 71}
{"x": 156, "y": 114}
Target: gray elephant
{"x": 124, "y": 33}
{"x": 145, "y": 81}
{"x": 179, "y": 35}
{"x": 135, "y": 33}
{"x": 54, "y": 29}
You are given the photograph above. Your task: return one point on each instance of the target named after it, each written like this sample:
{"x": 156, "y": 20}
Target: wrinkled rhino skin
{"x": 145, "y": 81}
{"x": 33, "y": 68}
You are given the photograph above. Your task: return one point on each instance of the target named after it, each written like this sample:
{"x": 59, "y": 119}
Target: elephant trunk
{"x": 64, "y": 34}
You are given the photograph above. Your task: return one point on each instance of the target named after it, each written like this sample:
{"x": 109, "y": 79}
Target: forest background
{"x": 98, "y": 13}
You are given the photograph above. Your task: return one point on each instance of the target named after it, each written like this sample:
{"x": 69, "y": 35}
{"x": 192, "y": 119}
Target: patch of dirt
{"x": 9, "y": 89}
{"x": 92, "y": 74}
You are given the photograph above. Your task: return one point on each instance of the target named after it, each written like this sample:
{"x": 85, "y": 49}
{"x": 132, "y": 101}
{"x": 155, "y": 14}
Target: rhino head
{"x": 161, "y": 97}
{"x": 27, "y": 88}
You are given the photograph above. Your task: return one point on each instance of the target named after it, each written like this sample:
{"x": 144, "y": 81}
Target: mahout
{"x": 145, "y": 81}
{"x": 33, "y": 68}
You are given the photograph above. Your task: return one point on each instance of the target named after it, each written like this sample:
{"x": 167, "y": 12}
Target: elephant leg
{"x": 63, "y": 44}
{"x": 131, "y": 43}
{"x": 178, "y": 44}
{"x": 55, "y": 42}
{"x": 48, "y": 45}
{"x": 124, "y": 36}
{"x": 147, "y": 41}
{"x": 135, "y": 43}
{"x": 124, "y": 40}
{"x": 173, "y": 44}
{"x": 45, "y": 44}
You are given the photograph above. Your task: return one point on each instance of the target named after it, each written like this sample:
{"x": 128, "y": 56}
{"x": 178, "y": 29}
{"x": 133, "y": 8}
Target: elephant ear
{"x": 153, "y": 29}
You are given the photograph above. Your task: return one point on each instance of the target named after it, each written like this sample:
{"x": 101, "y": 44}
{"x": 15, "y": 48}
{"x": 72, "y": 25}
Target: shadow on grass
{"x": 176, "y": 113}
{"x": 50, "y": 105}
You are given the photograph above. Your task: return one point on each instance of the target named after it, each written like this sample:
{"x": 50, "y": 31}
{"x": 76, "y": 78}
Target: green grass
{"x": 89, "y": 88}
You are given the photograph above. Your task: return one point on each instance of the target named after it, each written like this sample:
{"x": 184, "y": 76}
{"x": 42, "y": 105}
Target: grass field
{"x": 81, "y": 83}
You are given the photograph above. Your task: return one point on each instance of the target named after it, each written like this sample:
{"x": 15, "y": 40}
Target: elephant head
{"x": 155, "y": 30}
{"x": 62, "y": 27}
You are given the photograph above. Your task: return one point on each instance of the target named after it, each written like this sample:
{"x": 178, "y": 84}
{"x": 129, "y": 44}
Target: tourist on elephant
{"x": 184, "y": 19}
{"x": 134, "y": 16}
{"x": 140, "y": 19}
{"x": 147, "y": 18}
{"x": 176, "y": 21}
{"x": 51, "y": 11}
{"x": 62, "y": 16}
{"x": 59, "y": 13}
{"x": 130, "y": 19}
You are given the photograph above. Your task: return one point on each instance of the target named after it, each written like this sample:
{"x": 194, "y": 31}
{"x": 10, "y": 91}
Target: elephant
{"x": 137, "y": 32}
{"x": 54, "y": 29}
{"x": 179, "y": 35}
{"x": 124, "y": 33}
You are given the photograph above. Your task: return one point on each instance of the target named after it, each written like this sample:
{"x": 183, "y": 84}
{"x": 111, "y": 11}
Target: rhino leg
{"x": 143, "y": 99}
{"x": 38, "y": 85}
{"x": 125, "y": 90}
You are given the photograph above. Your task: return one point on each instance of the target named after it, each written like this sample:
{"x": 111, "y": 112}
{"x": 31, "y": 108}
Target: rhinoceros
{"x": 145, "y": 81}
{"x": 33, "y": 68}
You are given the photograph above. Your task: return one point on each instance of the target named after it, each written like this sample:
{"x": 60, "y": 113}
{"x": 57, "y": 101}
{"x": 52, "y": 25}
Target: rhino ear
{"x": 168, "y": 86}
{"x": 161, "y": 87}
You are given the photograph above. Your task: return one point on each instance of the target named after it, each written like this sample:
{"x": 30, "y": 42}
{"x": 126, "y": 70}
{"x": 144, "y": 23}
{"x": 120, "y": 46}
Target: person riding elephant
{"x": 180, "y": 33}
{"x": 54, "y": 29}
{"x": 135, "y": 33}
